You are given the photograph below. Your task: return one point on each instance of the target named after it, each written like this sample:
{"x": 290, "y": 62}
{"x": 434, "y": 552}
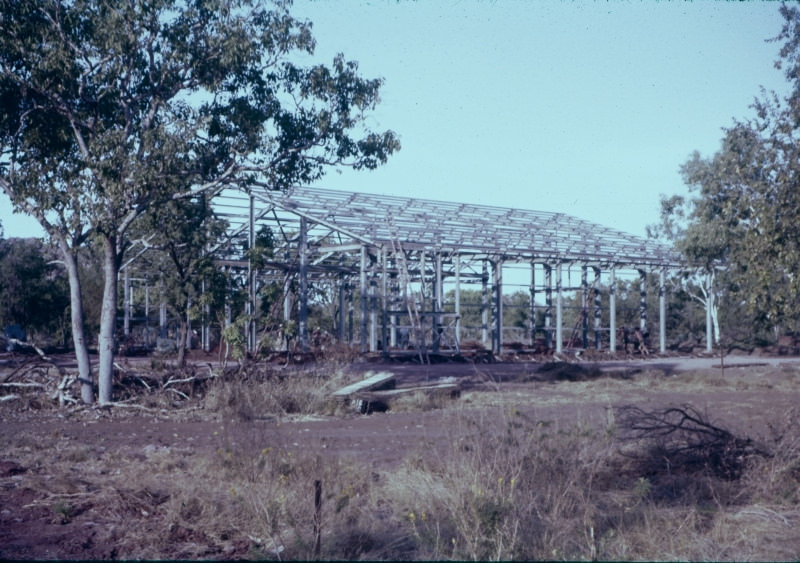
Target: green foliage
{"x": 109, "y": 110}
{"x": 33, "y": 289}
{"x": 742, "y": 222}
{"x": 180, "y": 237}
{"x": 516, "y": 307}
{"x": 235, "y": 342}
{"x": 63, "y": 511}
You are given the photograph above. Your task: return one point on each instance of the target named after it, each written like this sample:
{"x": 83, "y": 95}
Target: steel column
{"x": 127, "y": 302}
{"x": 436, "y": 302}
{"x": 302, "y": 313}
{"x": 250, "y": 330}
{"x": 559, "y": 310}
{"x": 612, "y": 311}
{"x": 457, "y": 259}
{"x": 395, "y": 301}
{"x": 643, "y": 301}
{"x": 584, "y": 306}
{"x": 384, "y": 305}
{"x": 287, "y": 309}
{"x": 363, "y": 295}
{"x": 484, "y": 302}
{"x": 548, "y": 306}
{"x": 373, "y": 310}
{"x": 532, "y": 308}
{"x": 147, "y": 312}
{"x": 342, "y": 315}
{"x": 709, "y": 320}
{"x": 662, "y": 313}
{"x": 162, "y": 320}
{"x": 187, "y": 345}
{"x": 497, "y": 307}
{"x": 204, "y": 336}
{"x": 598, "y": 309}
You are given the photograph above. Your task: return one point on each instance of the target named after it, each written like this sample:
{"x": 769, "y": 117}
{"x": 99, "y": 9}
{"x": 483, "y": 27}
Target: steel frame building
{"x": 390, "y": 258}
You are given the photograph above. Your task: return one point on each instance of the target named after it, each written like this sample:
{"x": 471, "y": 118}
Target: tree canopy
{"x": 108, "y": 109}
{"x": 743, "y": 217}
{"x": 33, "y": 294}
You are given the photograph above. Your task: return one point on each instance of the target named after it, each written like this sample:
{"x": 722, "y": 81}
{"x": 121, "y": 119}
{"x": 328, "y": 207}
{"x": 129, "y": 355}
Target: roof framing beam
{"x": 446, "y": 229}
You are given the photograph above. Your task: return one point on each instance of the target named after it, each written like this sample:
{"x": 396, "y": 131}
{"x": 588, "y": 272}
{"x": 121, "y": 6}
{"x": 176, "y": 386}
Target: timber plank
{"x": 380, "y": 380}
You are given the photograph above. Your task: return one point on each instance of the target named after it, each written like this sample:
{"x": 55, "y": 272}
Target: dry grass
{"x": 510, "y": 484}
{"x": 275, "y": 396}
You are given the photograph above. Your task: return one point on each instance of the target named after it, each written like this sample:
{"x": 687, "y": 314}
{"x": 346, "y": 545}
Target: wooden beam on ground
{"x": 381, "y": 380}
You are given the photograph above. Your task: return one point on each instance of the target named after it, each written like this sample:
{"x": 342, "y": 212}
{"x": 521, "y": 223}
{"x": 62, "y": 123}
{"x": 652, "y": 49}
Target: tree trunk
{"x": 181, "y": 341}
{"x": 108, "y": 321}
{"x": 77, "y": 321}
{"x": 715, "y": 323}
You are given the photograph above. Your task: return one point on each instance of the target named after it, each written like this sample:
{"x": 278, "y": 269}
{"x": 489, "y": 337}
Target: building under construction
{"x": 389, "y": 262}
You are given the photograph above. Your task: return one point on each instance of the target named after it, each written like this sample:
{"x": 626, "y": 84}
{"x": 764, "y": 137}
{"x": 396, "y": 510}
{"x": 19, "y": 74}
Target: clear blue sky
{"x": 584, "y": 108}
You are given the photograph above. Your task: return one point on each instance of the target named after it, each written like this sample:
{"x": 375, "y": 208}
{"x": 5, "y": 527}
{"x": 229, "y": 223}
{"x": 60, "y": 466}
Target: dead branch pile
{"x": 132, "y": 382}
{"x": 39, "y": 374}
{"x": 686, "y": 441}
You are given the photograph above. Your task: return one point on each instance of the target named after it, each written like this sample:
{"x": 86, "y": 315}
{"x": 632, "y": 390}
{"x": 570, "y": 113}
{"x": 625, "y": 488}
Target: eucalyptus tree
{"x": 742, "y": 220}
{"x": 109, "y": 108}
{"x": 702, "y": 239}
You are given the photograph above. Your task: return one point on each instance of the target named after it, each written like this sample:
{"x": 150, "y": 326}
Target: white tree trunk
{"x": 712, "y": 311}
{"x": 108, "y": 322}
{"x": 715, "y": 322}
{"x": 77, "y": 321}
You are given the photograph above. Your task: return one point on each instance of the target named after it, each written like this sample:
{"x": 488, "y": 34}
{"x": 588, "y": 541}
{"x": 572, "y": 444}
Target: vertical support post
{"x": 598, "y": 309}
{"x": 384, "y": 304}
{"x": 205, "y": 336}
{"x": 251, "y": 280}
{"x": 126, "y": 302}
{"x": 147, "y": 312}
{"x": 559, "y": 310}
{"x": 373, "y": 310}
{"x": 162, "y": 320}
{"x": 187, "y": 345}
{"x": 548, "y": 306}
{"x": 421, "y": 342}
{"x": 612, "y": 310}
{"x": 532, "y": 309}
{"x": 585, "y": 306}
{"x": 643, "y": 300}
{"x": 436, "y": 302}
{"x": 363, "y": 294}
{"x": 457, "y": 260}
{"x": 662, "y": 312}
{"x": 485, "y": 303}
{"x": 709, "y": 320}
{"x": 227, "y": 306}
{"x": 287, "y": 308}
{"x": 302, "y": 313}
{"x": 342, "y": 315}
{"x": 395, "y": 301}
{"x": 351, "y": 313}
{"x": 497, "y": 306}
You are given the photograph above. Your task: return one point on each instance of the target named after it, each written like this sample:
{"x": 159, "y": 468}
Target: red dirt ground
{"x": 566, "y": 395}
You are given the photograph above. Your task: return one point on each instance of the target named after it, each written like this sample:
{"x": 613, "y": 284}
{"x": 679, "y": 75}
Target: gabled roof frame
{"x": 342, "y": 221}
